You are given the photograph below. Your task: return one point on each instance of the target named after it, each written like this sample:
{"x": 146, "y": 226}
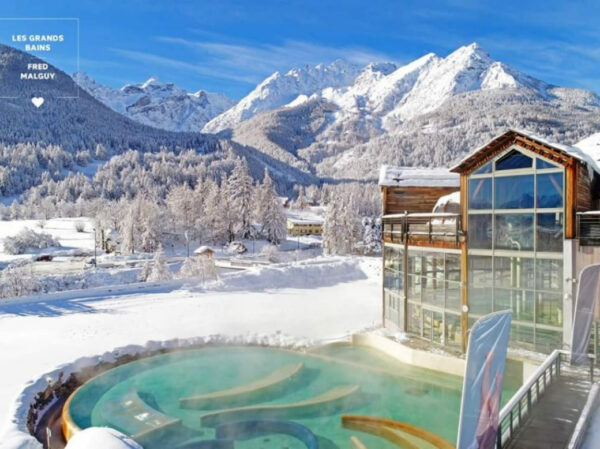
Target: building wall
{"x": 304, "y": 229}
{"x": 397, "y": 200}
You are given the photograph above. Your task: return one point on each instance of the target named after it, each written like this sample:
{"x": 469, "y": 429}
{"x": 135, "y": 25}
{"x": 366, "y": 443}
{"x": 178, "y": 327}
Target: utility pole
{"x": 95, "y": 251}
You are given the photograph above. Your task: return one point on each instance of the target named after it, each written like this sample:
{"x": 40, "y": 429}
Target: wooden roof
{"x": 556, "y": 153}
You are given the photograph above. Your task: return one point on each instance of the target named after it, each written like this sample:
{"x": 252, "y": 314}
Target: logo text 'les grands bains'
{"x": 37, "y": 43}
{"x": 51, "y": 50}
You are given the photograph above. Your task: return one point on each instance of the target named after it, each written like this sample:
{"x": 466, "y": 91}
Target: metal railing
{"x": 425, "y": 227}
{"x": 518, "y": 408}
{"x": 588, "y": 228}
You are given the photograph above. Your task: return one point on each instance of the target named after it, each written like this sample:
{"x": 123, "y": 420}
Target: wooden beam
{"x": 570, "y": 201}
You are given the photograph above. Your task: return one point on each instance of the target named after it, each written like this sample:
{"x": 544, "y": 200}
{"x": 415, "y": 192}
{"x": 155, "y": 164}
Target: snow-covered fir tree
{"x": 269, "y": 211}
{"x": 341, "y": 230}
{"x": 240, "y": 189}
{"x": 371, "y": 240}
{"x": 160, "y": 269}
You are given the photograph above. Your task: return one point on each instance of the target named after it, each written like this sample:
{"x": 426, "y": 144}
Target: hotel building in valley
{"x": 509, "y": 227}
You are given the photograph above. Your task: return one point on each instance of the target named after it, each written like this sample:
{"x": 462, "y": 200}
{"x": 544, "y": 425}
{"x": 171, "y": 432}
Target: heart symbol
{"x": 37, "y": 101}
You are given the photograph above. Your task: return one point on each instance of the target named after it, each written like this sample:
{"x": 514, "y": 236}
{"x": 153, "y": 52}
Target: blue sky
{"x": 229, "y": 46}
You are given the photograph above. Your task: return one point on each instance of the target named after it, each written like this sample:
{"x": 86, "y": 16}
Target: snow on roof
{"x": 417, "y": 177}
{"x": 306, "y": 220}
{"x": 591, "y": 146}
{"x": 304, "y": 217}
{"x": 586, "y": 151}
{"x": 203, "y": 249}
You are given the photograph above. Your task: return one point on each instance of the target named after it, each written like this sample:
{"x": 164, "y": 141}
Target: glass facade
{"x": 430, "y": 286}
{"x": 515, "y": 235}
{"x": 515, "y": 245}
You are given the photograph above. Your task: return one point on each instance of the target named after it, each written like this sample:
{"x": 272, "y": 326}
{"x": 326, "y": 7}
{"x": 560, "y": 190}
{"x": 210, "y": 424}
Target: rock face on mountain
{"x": 278, "y": 90}
{"x": 428, "y": 112}
{"x": 158, "y": 104}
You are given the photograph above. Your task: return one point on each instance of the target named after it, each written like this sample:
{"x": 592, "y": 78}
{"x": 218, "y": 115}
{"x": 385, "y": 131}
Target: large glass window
{"x": 512, "y": 238}
{"x": 542, "y": 164}
{"x": 392, "y": 274}
{"x": 393, "y": 258}
{"x": 481, "y": 284}
{"x": 514, "y": 192}
{"x": 522, "y": 333}
{"x": 485, "y": 168}
{"x": 514, "y": 232}
{"x": 513, "y": 160}
{"x": 549, "y": 275}
{"x": 453, "y": 330}
{"x": 480, "y": 231}
{"x": 549, "y": 308}
{"x": 550, "y": 232}
{"x": 414, "y": 319}
{"x": 413, "y": 283}
{"x": 520, "y": 302}
{"x": 549, "y": 190}
{"x": 514, "y": 272}
{"x": 480, "y": 193}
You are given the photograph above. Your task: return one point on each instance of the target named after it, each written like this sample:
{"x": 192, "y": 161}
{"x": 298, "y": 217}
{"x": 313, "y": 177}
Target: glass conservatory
{"x": 524, "y": 230}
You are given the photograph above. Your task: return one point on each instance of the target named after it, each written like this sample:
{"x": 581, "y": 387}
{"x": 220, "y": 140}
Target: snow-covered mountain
{"x": 342, "y": 121}
{"x": 278, "y": 89}
{"x": 159, "y": 104}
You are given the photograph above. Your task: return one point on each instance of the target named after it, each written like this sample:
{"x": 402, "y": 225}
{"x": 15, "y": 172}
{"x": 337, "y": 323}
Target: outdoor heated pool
{"x": 265, "y": 398}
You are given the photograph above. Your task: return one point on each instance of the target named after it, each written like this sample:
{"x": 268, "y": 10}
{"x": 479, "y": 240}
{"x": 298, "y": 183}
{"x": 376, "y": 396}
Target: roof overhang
{"x": 560, "y": 154}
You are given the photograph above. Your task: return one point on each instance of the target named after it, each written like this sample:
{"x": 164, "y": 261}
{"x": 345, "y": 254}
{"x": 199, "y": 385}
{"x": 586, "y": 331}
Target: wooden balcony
{"x": 421, "y": 229}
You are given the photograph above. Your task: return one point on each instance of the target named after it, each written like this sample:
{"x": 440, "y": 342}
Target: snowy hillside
{"x": 430, "y": 112}
{"x": 158, "y": 104}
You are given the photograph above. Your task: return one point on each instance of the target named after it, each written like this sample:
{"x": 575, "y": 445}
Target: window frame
{"x": 534, "y": 254}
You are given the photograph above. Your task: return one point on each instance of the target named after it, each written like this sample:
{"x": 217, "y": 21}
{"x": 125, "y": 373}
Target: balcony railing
{"x": 588, "y": 228}
{"x": 423, "y": 228}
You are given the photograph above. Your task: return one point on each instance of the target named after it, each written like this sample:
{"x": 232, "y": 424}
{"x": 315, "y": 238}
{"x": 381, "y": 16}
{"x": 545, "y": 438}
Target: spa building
{"x": 509, "y": 227}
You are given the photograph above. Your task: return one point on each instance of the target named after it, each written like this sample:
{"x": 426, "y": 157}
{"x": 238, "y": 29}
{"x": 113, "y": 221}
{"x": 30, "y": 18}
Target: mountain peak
{"x": 470, "y": 53}
{"x": 153, "y": 80}
{"x": 158, "y": 104}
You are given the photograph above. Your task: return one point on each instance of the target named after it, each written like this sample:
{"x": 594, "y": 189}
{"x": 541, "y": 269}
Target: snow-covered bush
{"x": 18, "y": 281}
{"x": 80, "y": 226}
{"x": 198, "y": 267}
{"x": 27, "y": 239}
{"x": 270, "y": 253}
{"x": 160, "y": 269}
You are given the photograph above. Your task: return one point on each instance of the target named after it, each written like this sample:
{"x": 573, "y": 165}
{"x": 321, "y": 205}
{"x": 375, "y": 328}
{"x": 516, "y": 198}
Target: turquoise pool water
{"x": 387, "y": 389}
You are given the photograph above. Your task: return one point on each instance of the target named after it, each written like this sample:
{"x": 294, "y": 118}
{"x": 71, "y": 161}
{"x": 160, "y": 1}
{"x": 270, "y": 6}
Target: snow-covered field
{"x": 62, "y": 229}
{"x": 301, "y": 303}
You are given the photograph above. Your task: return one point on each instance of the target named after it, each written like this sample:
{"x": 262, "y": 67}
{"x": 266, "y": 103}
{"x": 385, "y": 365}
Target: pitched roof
{"x": 560, "y": 153}
{"x": 390, "y": 176}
